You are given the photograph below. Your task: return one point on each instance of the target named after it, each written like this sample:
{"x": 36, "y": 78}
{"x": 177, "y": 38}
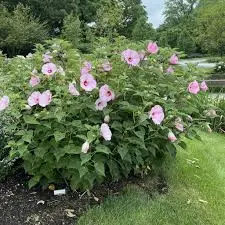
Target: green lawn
{"x": 196, "y": 192}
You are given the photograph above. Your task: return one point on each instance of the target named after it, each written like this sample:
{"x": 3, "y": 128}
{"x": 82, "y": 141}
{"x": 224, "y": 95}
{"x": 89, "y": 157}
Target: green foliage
{"x": 49, "y": 140}
{"x": 220, "y": 68}
{"x": 194, "y": 26}
{"x": 178, "y": 28}
{"x": 109, "y": 18}
{"x": 143, "y": 31}
{"x": 19, "y": 30}
{"x": 71, "y": 30}
{"x": 216, "y": 115}
{"x": 210, "y": 27}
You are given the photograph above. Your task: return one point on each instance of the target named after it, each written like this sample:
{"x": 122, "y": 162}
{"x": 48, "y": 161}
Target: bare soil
{"x": 21, "y": 206}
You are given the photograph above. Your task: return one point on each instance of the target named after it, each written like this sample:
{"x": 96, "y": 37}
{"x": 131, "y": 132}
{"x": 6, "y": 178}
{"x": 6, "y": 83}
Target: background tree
{"x": 178, "y": 28}
{"x": 210, "y": 30}
{"x": 109, "y": 18}
{"x": 71, "y": 30}
{"x": 143, "y": 30}
{"x": 19, "y": 30}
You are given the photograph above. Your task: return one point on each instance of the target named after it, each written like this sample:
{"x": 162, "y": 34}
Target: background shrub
{"x": 19, "y": 30}
{"x": 220, "y": 68}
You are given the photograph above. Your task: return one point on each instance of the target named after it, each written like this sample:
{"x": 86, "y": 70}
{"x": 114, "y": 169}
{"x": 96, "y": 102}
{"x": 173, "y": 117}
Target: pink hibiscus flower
{"x": 85, "y": 147}
{"x": 172, "y": 137}
{"x": 45, "y": 98}
{"x": 100, "y": 104}
{"x": 106, "y": 132}
{"x": 47, "y": 58}
{"x": 4, "y": 103}
{"x": 73, "y": 90}
{"x": 204, "y": 86}
{"x": 49, "y": 69}
{"x": 193, "y": 87}
{"x": 174, "y": 59}
{"x": 86, "y": 68}
{"x": 107, "y": 66}
{"x": 131, "y": 57}
{"x": 34, "y": 98}
{"x": 156, "y": 114}
{"x": 106, "y": 94}
{"x": 87, "y": 82}
{"x": 179, "y": 126}
{"x": 170, "y": 69}
{"x": 34, "y": 81}
{"x": 152, "y": 48}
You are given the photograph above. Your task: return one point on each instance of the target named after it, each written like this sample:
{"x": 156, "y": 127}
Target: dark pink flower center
{"x": 85, "y": 83}
{"x": 109, "y": 93}
{"x": 49, "y": 70}
{"x": 129, "y": 59}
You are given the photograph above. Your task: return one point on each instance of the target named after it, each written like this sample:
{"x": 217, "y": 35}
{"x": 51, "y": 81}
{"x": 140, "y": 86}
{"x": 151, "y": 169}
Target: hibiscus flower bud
{"x": 85, "y": 147}
{"x": 107, "y": 119}
{"x": 172, "y": 137}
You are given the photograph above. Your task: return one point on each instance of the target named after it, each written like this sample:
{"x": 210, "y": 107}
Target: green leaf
{"x": 27, "y": 136}
{"x": 183, "y": 145}
{"x": 117, "y": 126}
{"x": 100, "y": 168}
{"x": 140, "y": 134}
{"x": 40, "y": 151}
{"x": 137, "y": 141}
{"x": 103, "y": 149}
{"x": 91, "y": 136}
{"x": 114, "y": 169}
{"x": 47, "y": 124}
{"x": 75, "y": 180}
{"x": 123, "y": 150}
{"x": 33, "y": 181}
{"x": 83, "y": 170}
{"x": 72, "y": 149}
{"x": 171, "y": 149}
{"x": 143, "y": 117}
{"x": 73, "y": 163}
{"x": 128, "y": 125}
{"x": 30, "y": 120}
{"x": 59, "y": 136}
{"x": 59, "y": 153}
{"x": 20, "y": 133}
{"x": 85, "y": 158}
{"x": 23, "y": 150}
{"x": 82, "y": 137}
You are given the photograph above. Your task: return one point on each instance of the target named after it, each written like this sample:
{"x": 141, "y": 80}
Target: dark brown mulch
{"x": 19, "y": 205}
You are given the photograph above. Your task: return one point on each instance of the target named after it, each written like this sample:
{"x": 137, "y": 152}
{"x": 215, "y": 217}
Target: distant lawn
{"x": 196, "y": 192}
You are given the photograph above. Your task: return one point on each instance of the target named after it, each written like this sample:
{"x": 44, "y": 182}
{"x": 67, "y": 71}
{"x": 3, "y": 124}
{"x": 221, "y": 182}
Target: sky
{"x": 155, "y": 9}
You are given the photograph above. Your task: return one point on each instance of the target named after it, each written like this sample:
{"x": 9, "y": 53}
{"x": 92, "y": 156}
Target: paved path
{"x": 199, "y": 62}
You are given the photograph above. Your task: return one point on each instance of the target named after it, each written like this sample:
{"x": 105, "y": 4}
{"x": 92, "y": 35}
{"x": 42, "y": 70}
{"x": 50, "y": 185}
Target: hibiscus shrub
{"x": 84, "y": 119}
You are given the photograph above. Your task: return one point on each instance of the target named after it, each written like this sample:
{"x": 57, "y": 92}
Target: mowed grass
{"x": 196, "y": 193}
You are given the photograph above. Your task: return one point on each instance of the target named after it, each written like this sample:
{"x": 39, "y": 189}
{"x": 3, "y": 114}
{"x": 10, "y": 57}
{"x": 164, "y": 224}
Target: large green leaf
{"x": 100, "y": 168}
{"x": 27, "y": 136}
{"x": 103, "y": 149}
{"x": 30, "y": 120}
{"x": 123, "y": 150}
{"x": 59, "y": 136}
{"x": 34, "y": 181}
{"x": 85, "y": 158}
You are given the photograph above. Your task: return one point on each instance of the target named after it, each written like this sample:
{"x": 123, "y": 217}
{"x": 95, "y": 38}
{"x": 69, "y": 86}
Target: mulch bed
{"x": 21, "y": 206}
